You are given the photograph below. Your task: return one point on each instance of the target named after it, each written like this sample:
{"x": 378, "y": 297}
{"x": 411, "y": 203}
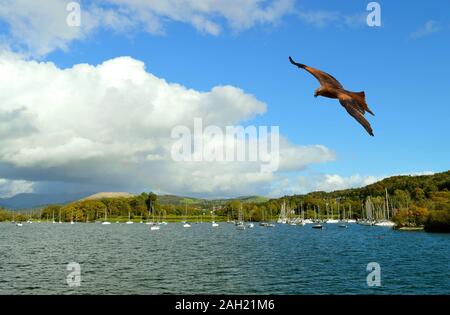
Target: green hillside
{"x": 415, "y": 201}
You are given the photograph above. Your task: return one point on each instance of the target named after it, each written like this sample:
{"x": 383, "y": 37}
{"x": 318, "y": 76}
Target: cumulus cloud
{"x": 110, "y": 125}
{"x": 320, "y": 182}
{"x": 328, "y": 182}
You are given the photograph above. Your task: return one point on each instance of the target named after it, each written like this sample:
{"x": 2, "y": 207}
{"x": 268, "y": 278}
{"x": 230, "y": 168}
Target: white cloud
{"x": 111, "y": 124}
{"x": 320, "y": 182}
{"x": 319, "y": 18}
{"x": 429, "y": 28}
{"x": 9, "y": 188}
{"x": 36, "y": 28}
{"x": 39, "y": 27}
{"x": 328, "y": 182}
{"x": 323, "y": 18}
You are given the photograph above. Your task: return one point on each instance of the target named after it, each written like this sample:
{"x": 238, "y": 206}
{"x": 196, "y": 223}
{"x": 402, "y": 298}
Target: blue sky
{"x": 402, "y": 66}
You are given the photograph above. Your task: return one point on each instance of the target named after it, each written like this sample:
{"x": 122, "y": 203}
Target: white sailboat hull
{"x": 385, "y": 223}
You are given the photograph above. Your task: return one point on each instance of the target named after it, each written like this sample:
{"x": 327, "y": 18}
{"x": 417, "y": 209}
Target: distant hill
{"x": 179, "y": 200}
{"x": 31, "y": 200}
{"x": 102, "y": 195}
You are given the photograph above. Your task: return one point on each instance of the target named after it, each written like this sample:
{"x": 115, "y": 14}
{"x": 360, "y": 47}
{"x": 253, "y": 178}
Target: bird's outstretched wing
{"x": 323, "y": 77}
{"x": 354, "y": 110}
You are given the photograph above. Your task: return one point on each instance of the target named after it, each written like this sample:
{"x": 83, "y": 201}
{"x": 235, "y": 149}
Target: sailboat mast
{"x": 387, "y": 204}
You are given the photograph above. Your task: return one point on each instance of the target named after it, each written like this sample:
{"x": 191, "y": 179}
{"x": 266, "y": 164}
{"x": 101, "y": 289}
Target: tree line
{"x": 415, "y": 201}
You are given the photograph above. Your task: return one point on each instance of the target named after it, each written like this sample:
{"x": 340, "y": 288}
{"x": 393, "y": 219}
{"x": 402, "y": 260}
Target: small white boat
{"x": 332, "y": 221}
{"x": 129, "y": 219}
{"x": 385, "y": 223}
{"x": 163, "y": 223}
{"x": 366, "y": 222}
{"x": 214, "y": 224}
{"x": 154, "y": 228}
{"x": 186, "y": 225}
{"x": 19, "y": 224}
{"x": 308, "y": 221}
{"x": 317, "y": 226}
{"x": 106, "y": 222}
{"x": 250, "y": 225}
{"x": 240, "y": 227}
{"x": 71, "y": 222}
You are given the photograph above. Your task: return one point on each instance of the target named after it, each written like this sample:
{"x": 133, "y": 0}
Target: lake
{"x": 131, "y": 259}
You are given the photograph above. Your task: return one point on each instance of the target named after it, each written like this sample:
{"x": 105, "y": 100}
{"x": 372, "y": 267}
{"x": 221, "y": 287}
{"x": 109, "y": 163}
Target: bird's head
{"x": 316, "y": 93}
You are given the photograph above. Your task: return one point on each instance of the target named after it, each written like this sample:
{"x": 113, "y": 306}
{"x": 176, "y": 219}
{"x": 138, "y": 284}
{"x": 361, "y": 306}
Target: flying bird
{"x": 353, "y": 102}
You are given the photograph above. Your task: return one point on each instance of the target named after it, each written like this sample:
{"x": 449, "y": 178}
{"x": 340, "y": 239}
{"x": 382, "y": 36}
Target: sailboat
{"x": 368, "y": 217}
{"x": 282, "y": 218}
{"x": 53, "y": 217}
{"x": 332, "y": 220}
{"x": 213, "y": 212}
{"x": 289, "y": 216}
{"x": 308, "y": 220}
{"x": 240, "y": 223}
{"x": 186, "y": 224}
{"x": 386, "y": 222}
{"x": 29, "y": 218}
{"x": 60, "y": 216}
{"x": 71, "y": 218}
{"x": 106, "y": 222}
{"x": 350, "y": 220}
{"x": 164, "y": 222}
{"x": 317, "y": 225}
{"x": 18, "y": 223}
{"x": 343, "y": 222}
{"x": 148, "y": 215}
{"x": 129, "y": 218}
{"x": 302, "y": 221}
{"x": 154, "y": 226}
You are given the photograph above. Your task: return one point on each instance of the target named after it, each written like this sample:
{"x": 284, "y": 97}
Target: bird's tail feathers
{"x": 361, "y": 96}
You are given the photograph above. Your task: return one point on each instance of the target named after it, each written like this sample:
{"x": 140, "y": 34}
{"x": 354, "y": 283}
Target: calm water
{"x": 127, "y": 259}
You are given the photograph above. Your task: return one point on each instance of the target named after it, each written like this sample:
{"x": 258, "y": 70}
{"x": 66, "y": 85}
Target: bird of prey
{"x": 353, "y": 102}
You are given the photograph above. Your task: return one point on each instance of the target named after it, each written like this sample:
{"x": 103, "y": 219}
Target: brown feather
{"x": 353, "y": 102}
{"x": 354, "y": 110}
